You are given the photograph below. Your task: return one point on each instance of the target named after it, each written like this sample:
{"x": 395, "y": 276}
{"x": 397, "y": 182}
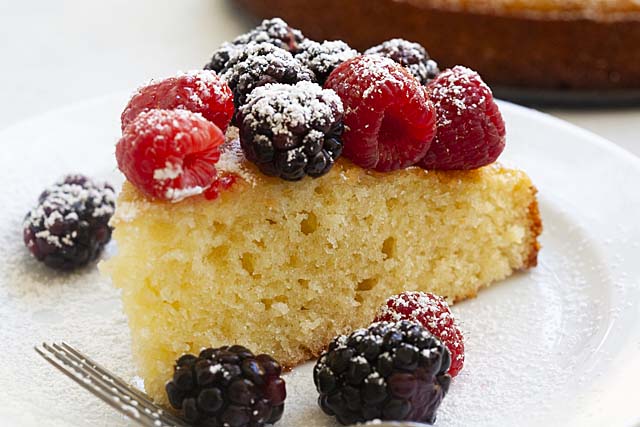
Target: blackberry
{"x": 272, "y": 31}
{"x": 389, "y": 371}
{"x": 411, "y": 55}
{"x": 227, "y": 386}
{"x": 70, "y": 225}
{"x": 291, "y": 131}
{"x": 323, "y": 58}
{"x": 260, "y": 64}
{"x": 222, "y": 55}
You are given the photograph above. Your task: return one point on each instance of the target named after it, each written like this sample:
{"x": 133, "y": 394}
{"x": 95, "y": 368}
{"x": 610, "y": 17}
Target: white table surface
{"x": 58, "y": 52}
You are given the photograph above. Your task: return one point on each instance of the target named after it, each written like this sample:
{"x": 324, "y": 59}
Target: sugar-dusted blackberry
{"x": 222, "y": 55}
{"x": 248, "y": 50}
{"x": 272, "y": 31}
{"x": 261, "y": 64}
{"x": 411, "y": 55}
{"x": 291, "y": 131}
{"x": 227, "y": 386}
{"x": 70, "y": 225}
{"x": 389, "y": 371}
{"x": 323, "y": 58}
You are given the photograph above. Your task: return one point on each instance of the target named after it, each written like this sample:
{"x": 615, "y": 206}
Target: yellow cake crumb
{"x": 282, "y": 267}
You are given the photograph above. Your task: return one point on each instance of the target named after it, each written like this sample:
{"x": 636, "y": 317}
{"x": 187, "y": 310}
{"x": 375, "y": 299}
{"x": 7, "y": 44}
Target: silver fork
{"x": 112, "y": 390}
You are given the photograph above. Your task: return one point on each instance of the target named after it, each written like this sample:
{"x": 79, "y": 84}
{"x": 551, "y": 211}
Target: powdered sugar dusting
{"x": 322, "y": 58}
{"x": 280, "y": 108}
{"x": 378, "y": 73}
{"x": 459, "y": 89}
{"x": 176, "y": 195}
{"x": 232, "y": 158}
{"x": 64, "y": 198}
{"x": 274, "y": 31}
{"x": 412, "y": 56}
{"x": 422, "y": 308}
{"x": 170, "y": 171}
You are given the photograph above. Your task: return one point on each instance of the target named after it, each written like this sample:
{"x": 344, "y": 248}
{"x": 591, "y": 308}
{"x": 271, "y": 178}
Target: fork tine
{"x": 109, "y": 379}
{"x": 86, "y": 360}
{"x": 65, "y": 368}
{"x": 78, "y": 371}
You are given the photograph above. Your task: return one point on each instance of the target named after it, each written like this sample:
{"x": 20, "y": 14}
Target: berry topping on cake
{"x": 170, "y": 154}
{"x": 389, "y": 119}
{"x": 470, "y": 129}
{"x": 227, "y": 386}
{"x": 389, "y": 371}
{"x": 411, "y": 55}
{"x": 222, "y": 55}
{"x": 323, "y": 58}
{"x": 291, "y": 131}
{"x": 70, "y": 225}
{"x": 273, "y": 31}
{"x": 221, "y": 183}
{"x": 197, "y": 91}
{"x": 432, "y": 312}
{"x": 261, "y": 64}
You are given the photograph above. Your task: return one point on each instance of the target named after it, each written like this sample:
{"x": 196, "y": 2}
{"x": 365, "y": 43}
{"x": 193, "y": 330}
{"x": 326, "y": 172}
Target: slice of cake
{"x": 282, "y": 268}
{"x": 347, "y": 181}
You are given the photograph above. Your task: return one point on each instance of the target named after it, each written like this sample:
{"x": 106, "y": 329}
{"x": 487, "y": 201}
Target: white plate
{"x": 558, "y": 345}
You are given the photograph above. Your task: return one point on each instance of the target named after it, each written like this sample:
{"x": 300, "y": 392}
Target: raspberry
{"x": 470, "y": 129}
{"x": 432, "y": 312}
{"x": 272, "y": 31}
{"x": 291, "y": 131}
{"x": 389, "y": 119}
{"x": 412, "y": 56}
{"x": 389, "y": 371}
{"x": 222, "y": 182}
{"x": 228, "y": 386}
{"x": 261, "y": 64}
{"x": 323, "y": 58}
{"x": 170, "y": 154}
{"x": 197, "y": 91}
{"x": 70, "y": 225}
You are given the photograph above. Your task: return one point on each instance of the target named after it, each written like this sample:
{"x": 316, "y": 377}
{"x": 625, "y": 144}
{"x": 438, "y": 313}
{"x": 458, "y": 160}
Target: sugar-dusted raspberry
{"x": 200, "y": 91}
{"x": 470, "y": 129}
{"x": 170, "y": 154}
{"x": 323, "y": 58}
{"x": 261, "y": 64}
{"x": 389, "y": 119}
{"x": 411, "y": 55}
{"x": 432, "y": 312}
{"x": 272, "y": 31}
